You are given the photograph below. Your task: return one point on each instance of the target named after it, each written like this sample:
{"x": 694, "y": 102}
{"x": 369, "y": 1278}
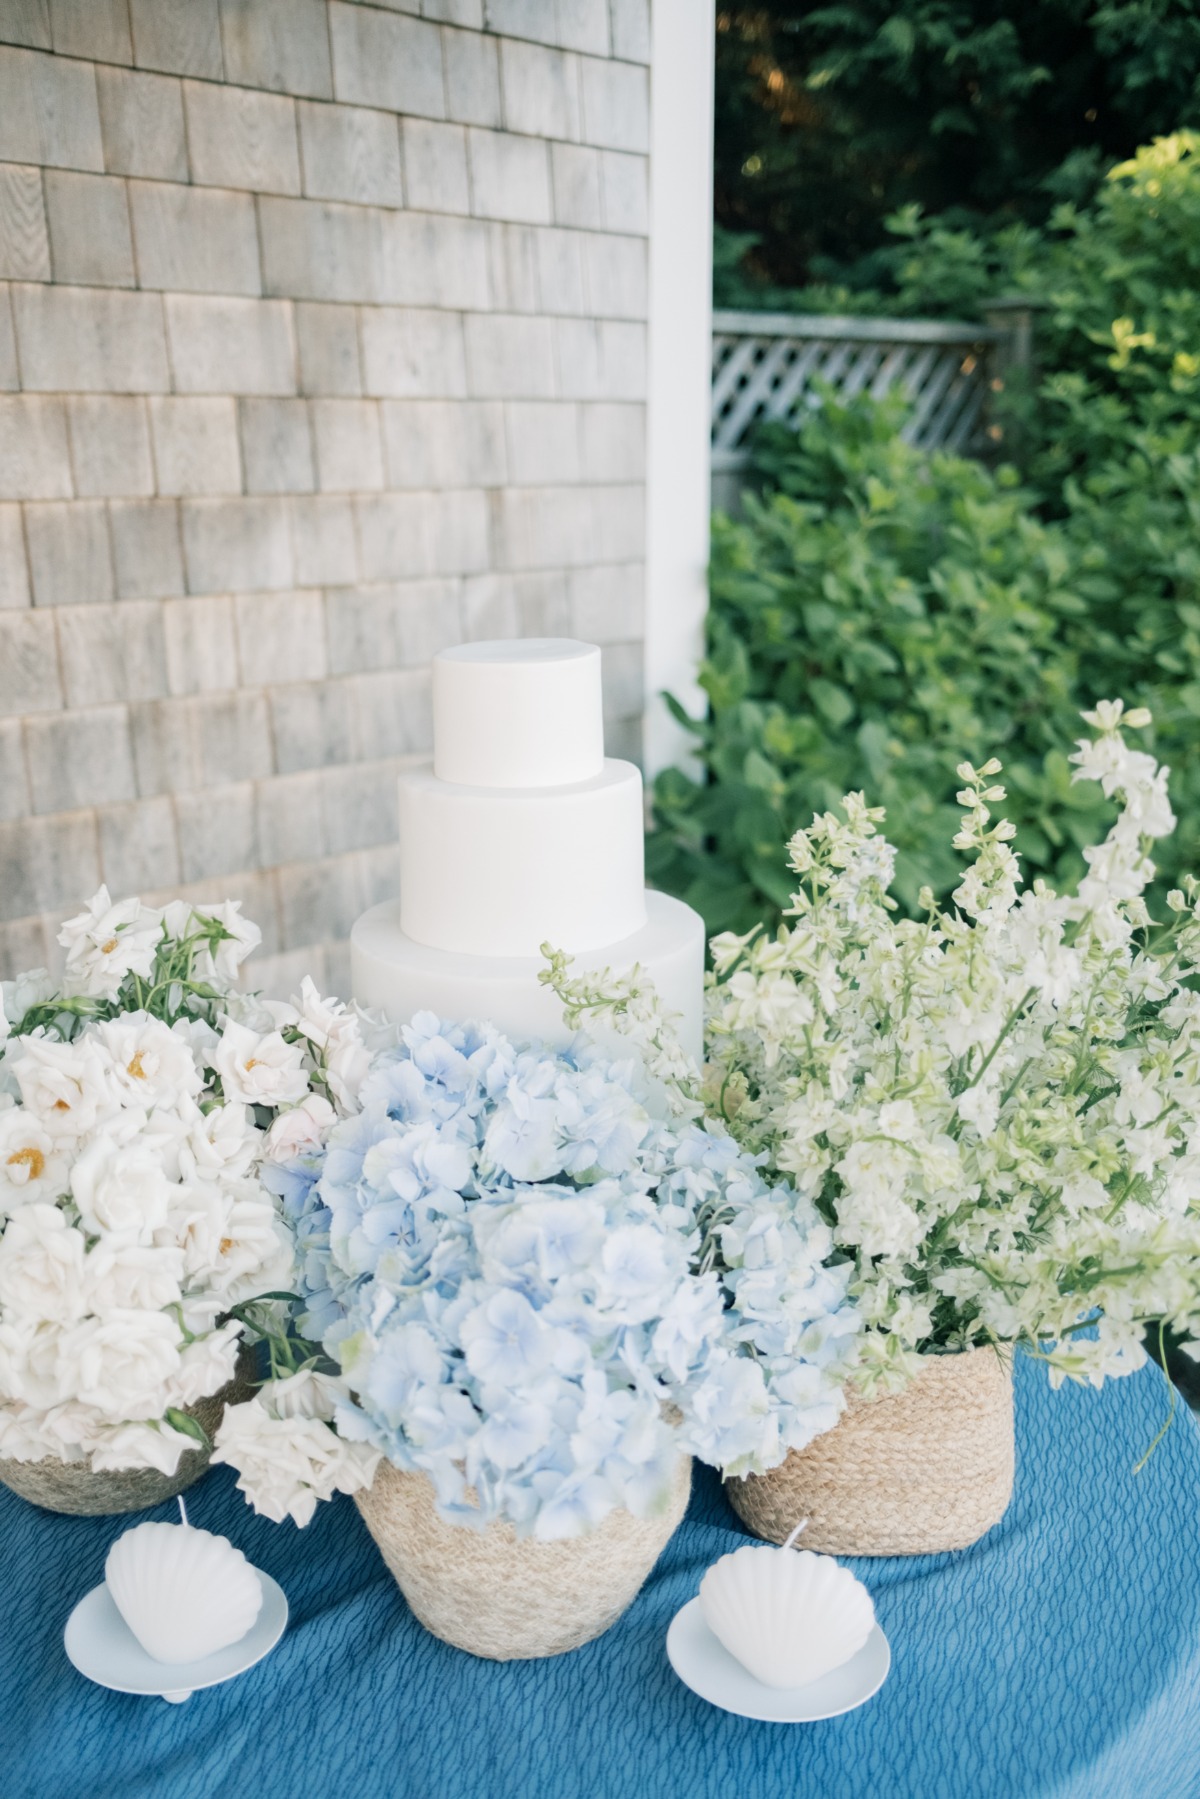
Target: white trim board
{"x": 680, "y": 366}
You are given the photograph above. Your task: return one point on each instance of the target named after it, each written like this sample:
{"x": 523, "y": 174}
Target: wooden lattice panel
{"x": 767, "y": 366}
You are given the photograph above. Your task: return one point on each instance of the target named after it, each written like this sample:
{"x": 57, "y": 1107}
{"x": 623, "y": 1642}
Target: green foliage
{"x": 875, "y": 619}
{"x": 831, "y": 118}
{"x": 878, "y": 616}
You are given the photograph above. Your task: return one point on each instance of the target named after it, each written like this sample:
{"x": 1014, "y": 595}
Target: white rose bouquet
{"x": 995, "y": 1107}
{"x": 139, "y": 1099}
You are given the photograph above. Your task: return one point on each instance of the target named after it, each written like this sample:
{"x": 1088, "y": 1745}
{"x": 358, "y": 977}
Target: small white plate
{"x": 101, "y": 1645}
{"x": 703, "y": 1664}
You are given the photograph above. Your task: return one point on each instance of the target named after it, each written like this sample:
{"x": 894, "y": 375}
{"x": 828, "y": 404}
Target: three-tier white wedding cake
{"x": 521, "y": 833}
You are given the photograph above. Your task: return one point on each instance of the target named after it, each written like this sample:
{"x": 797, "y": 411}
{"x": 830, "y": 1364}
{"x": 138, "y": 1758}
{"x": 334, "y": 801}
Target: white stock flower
{"x": 998, "y": 1111}
{"x": 260, "y": 1070}
{"x": 106, "y": 942}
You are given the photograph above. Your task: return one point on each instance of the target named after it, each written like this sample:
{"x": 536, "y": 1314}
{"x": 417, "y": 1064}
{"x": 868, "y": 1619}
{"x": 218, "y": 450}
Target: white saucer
{"x": 704, "y": 1665}
{"x": 101, "y": 1645}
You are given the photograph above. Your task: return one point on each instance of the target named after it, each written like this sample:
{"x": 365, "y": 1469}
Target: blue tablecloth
{"x": 1060, "y": 1656}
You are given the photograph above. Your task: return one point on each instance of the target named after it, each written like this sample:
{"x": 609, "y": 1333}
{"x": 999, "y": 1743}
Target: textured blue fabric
{"x": 1059, "y": 1657}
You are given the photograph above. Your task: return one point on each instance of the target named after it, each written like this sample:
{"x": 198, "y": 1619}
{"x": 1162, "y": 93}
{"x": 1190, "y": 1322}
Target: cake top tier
{"x": 525, "y": 712}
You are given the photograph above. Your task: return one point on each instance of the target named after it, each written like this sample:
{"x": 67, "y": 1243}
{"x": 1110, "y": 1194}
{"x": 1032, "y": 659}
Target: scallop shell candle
{"x": 183, "y": 1592}
{"x": 789, "y": 1616}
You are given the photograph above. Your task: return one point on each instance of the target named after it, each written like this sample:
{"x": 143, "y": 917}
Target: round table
{"x": 1060, "y": 1656}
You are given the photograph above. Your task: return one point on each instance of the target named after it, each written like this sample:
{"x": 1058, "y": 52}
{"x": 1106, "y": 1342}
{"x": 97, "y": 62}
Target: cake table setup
{"x": 589, "y": 1377}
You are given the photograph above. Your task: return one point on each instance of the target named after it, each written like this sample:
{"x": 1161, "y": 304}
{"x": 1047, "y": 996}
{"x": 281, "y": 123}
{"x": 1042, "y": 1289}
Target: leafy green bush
{"x": 875, "y": 619}
{"x": 832, "y": 116}
{"x": 880, "y": 615}
{"x": 1118, "y": 281}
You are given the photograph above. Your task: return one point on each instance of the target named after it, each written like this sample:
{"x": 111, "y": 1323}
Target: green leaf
{"x": 188, "y": 1426}
{"x": 831, "y": 700}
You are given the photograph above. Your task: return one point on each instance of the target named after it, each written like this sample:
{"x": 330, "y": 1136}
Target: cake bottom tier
{"x": 397, "y": 976}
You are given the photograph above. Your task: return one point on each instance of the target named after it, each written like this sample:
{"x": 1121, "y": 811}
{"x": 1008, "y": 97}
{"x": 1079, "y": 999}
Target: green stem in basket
{"x": 1162, "y": 1356}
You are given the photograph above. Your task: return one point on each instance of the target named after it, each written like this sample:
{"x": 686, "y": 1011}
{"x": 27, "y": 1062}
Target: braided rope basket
{"x": 506, "y": 1597}
{"x": 926, "y": 1469}
{"x": 85, "y": 1492}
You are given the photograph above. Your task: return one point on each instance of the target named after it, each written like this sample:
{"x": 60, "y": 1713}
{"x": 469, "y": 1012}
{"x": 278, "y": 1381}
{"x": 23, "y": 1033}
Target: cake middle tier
{"x": 498, "y": 871}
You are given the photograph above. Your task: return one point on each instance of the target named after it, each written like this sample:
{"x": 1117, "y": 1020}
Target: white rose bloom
{"x": 197, "y": 1217}
{"x": 140, "y": 1446}
{"x": 16, "y": 997}
{"x": 23, "y": 1436}
{"x": 220, "y": 965}
{"x": 221, "y": 1144}
{"x": 177, "y": 918}
{"x": 300, "y": 1132}
{"x": 121, "y": 1189}
{"x": 104, "y": 943}
{"x": 32, "y": 1367}
{"x": 200, "y": 1038}
{"x": 260, "y": 1070}
{"x": 347, "y": 1065}
{"x": 33, "y": 1165}
{"x": 233, "y": 1240}
{"x": 71, "y": 1430}
{"x": 323, "y": 1021}
{"x": 287, "y": 1465}
{"x": 207, "y": 1365}
{"x": 256, "y": 1254}
{"x": 336, "y": 1034}
{"x": 150, "y": 1066}
{"x": 132, "y": 1276}
{"x": 305, "y": 1395}
{"x": 124, "y": 1363}
{"x": 66, "y": 1085}
{"x": 164, "y": 1135}
{"x": 41, "y": 1267}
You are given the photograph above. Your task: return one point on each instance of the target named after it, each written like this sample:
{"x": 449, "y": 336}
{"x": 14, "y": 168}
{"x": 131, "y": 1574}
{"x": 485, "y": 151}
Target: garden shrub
{"x": 880, "y": 614}
{"x": 876, "y": 618}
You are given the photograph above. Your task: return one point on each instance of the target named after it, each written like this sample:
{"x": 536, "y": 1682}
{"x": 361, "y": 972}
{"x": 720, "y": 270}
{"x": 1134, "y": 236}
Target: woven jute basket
{"x": 926, "y": 1469}
{"x": 506, "y": 1597}
{"x": 86, "y": 1492}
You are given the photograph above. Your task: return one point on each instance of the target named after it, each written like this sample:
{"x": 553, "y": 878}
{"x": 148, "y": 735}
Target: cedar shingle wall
{"x": 322, "y": 344}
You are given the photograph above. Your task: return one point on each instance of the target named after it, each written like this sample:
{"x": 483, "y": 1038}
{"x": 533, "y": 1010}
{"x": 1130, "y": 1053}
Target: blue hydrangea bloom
{"x": 540, "y": 1289}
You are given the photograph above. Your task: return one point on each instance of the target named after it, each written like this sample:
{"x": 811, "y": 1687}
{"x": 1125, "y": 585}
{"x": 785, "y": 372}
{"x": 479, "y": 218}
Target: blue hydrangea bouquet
{"x": 531, "y": 1287}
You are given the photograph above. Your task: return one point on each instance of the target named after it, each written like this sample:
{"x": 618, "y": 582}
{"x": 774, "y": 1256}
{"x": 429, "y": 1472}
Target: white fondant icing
{"x": 395, "y": 975}
{"x": 521, "y": 713}
{"x": 490, "y": 871}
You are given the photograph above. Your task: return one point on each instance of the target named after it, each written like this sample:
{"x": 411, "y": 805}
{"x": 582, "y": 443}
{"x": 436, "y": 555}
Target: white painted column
{"x": 680, "y": 365}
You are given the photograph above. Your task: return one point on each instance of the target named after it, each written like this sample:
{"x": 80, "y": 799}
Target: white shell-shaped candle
{"x": 184, "y": 1593}
{"x": 787, "y": 1615}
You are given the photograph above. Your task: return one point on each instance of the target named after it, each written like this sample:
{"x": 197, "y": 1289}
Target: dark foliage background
{"x": 981, "y": 112}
